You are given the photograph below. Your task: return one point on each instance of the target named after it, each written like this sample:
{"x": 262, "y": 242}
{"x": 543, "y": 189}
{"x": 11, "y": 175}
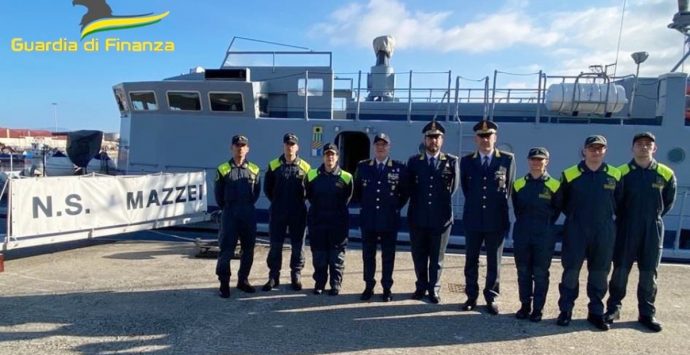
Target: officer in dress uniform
{"x": 487, "y": 176}
{"x": 537, "y": 200}
{"x": 649, "y": 191}
{"x": 284, "y": 187}
{"x": 592, "y": 192}
{"x": 236, "y": 190}
{"x": 381, "y": 189}
{"x": 329, "y": 189}
{"x": 433, "y": 179}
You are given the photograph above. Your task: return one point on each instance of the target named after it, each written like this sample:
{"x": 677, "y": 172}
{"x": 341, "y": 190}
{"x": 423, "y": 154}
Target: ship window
{"x": 676, "y": 155}
{"x": 184, "y": 101}
{"x": 143, "y": 101}
{"x": 315, "y": 87}
{"x": 225, "y": 101}
{"x": 120, "y": 99}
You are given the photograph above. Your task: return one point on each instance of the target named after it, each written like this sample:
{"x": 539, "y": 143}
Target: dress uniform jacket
{"x": 431, "y": 189}
{"x": 648, "y": 194}
{"x": 236, "y": 189}
{"x": 284, "y": 187}
{"x": 590, "y": 202}
{"x": 381, "y": 194}
{"x": 487, "y": 191}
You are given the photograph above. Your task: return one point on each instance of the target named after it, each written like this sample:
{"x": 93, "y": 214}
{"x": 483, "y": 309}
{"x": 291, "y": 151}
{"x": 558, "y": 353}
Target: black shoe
{"x": 535, "y": 316}
{"x": 418, "y": 294}
{"x": 224, "y": 290}
{"x": 245, "y": 286}
{"x": 469, "y": 305}
{"x": 366, "y": 295}
{"x": 317, "y": 291}
{"x": 651, "y": 323}
{"x": 434, "y": 298}
{"x": 524, "y": 311}
{"x": 333, "y": 292}
{"x": 611, "y": 316}
{"x": 492, "y": 308}
{"x": 271, "y": 284}
{"x": 296, "y": 283}
{"x": 387, "y": 295}
{"x": 564, "y": 318}
{"x": 598, "y": 321}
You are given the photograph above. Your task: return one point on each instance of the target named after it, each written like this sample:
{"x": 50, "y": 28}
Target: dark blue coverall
{"x": 284, "y": 187}
{"x": 590, "y": 201}
{"x": 236, "y": 190}
{"x": 327, "y": 219}
{"x": 536, "y": 204}
{"x": 485, "y": 217}
{"x": 382, "y": 193}
{"x": 430, "y": 215}
{"x": 648, "y": 194}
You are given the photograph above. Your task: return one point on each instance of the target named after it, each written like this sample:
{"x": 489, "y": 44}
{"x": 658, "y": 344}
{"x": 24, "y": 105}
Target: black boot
{"x": 564, "y": 318}
{"x": 598, "y": 321}
{"x": 245, "y": 286}
{"x": 524, "y": 311}
{"x": 612, "y": 315}
{"x": 296, "y": 282}
{"x": 650, "y": 322}
{"x": 271, "y": 284}
{"x": 224, "y": 290}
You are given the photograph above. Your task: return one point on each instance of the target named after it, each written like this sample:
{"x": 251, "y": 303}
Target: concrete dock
{"x": 134, "y": 296}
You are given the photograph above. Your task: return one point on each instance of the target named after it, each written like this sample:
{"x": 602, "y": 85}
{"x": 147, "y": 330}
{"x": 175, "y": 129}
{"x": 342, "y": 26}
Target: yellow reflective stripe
{"x": 347, "y": 177}
{"x": 572, "y": 173}
{"x": 304, "y": 166}
{"x": 253, "y": 168}
{"x": 664, "y": 171}
{"x": 274, "y": 164}
{"x": 224, "y": 169}
{"x": 520, "y": 183}
{"x": 312, "y": 174}
{"x": 613, "y": 172}
{"x": 624, "y": 169}
{"x": 552, "y": 184}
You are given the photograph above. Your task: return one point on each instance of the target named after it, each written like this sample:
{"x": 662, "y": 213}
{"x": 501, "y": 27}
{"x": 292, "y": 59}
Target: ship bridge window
{"x": 315, "y": 87}
{"x": 120, "y": 98}
{"x": 143, "y": 101}
{"x": 226, "y": 101}
{"x": 184, "y": 101}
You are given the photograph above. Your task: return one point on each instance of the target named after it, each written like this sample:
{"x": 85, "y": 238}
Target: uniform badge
{"x": 546, "y": 194}
{"x": 610, "y": 184}
{"x": 659, "y": 184}
{"x": 500, "y": 177}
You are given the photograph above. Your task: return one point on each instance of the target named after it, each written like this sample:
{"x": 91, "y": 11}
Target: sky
{"x": 468, "y": 37}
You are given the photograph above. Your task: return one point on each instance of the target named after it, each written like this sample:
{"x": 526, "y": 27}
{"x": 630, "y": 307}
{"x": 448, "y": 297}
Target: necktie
{"x": 380, "y": 167}
{"x": 485, "y": 164}
{"x": 432, "y": 162}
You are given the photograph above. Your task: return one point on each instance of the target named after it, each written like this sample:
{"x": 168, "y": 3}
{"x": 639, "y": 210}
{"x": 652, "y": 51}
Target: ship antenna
{"x": 620, "y": 35}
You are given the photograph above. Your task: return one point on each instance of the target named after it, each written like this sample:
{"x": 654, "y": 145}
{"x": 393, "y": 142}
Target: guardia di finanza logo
{"x": 99, "y": 18}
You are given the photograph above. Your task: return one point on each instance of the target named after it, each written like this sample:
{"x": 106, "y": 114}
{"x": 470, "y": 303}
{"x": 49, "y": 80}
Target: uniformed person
{"x": 329, "y": 189}
{"x": 237, "y": 188}
{"x": 433, "y": 178}
{"x": 649, "y": 191}
{"x": 487, "y": 177}
{"x": 381, "y": 189}
{"x": 591, "y": 195}
{"x": 537, "y": 200}
{"x": 284, "y": 187}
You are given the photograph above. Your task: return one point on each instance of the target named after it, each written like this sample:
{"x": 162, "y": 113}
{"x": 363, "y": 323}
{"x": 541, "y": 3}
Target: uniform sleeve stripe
{"x": 624, "y": 169}
{"x": 253, "y": 168}
{"x": 304, "y": 166}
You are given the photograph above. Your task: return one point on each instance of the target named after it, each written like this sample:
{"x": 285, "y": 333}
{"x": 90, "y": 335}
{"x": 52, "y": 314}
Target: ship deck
{"x": 134, "y": 295}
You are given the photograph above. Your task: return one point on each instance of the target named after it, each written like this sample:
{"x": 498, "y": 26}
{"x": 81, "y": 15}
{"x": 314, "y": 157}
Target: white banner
{"x": 53, "y": 205}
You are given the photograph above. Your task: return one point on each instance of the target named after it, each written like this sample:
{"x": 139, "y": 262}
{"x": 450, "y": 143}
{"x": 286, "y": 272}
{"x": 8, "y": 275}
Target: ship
{"x": 184, "y": 122}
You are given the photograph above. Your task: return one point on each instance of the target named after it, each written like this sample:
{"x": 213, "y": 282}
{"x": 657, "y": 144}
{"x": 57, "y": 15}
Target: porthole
{"x": 676, "y": 155}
